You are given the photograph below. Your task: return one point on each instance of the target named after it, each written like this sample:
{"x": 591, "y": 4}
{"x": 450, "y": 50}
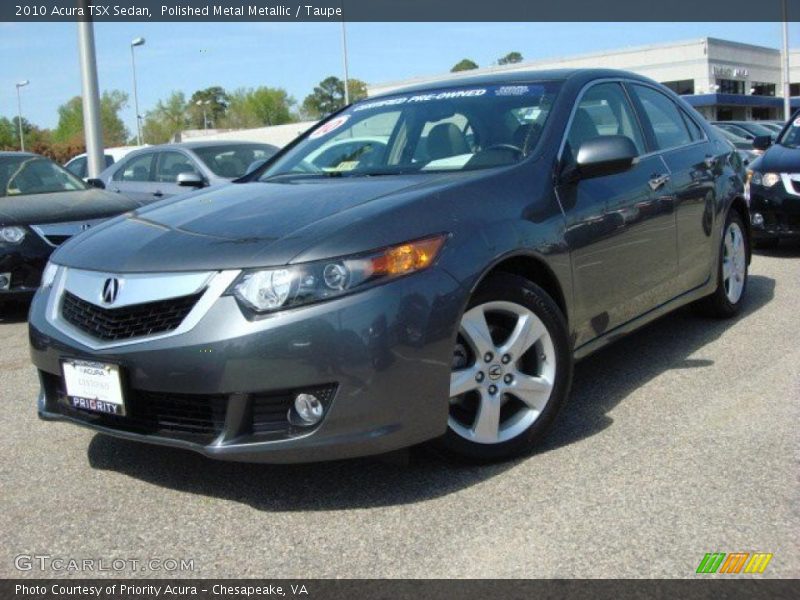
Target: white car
{"x": 78, "y": 165}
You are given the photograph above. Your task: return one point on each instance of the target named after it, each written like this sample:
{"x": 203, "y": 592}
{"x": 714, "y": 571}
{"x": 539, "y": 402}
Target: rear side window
{"x": 138, "y": 168}
{"x": 694, "y": 129}
{"x": 668, "y": 125}
{"x": 603, "y": 110}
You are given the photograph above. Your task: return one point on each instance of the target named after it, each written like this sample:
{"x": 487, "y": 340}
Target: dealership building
{"x": 723, "y": 80}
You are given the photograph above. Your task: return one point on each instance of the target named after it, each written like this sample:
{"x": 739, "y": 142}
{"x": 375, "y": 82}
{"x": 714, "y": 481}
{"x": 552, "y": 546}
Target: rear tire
{"x": 512, "y": 370}
{"x": 727, "y": 299}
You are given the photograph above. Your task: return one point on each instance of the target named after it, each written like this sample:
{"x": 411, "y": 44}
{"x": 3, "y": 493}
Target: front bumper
{"x": 224, "y": 387}
{"x": 23, "y": 264}
{"x": 775, "y": 211}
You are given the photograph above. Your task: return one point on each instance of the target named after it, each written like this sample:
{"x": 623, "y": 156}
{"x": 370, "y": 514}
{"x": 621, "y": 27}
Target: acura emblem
{"x": 110, "y": 290}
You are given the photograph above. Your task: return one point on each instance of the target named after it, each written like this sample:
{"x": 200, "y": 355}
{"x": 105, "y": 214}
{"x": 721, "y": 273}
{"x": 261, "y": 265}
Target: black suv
{"x": 775, "y": 186}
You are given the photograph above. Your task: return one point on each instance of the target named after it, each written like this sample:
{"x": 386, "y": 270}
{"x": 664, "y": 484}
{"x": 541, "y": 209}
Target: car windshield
{"x": 231, "y": 161}
{"x": 458, "y": 129}
{"x": 23, "y": 175}
{"x": 791, "y": 137}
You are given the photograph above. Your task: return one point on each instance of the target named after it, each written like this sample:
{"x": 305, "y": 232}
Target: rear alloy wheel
{"x": 511, "y": 370}
{"x": 726, "y": 301}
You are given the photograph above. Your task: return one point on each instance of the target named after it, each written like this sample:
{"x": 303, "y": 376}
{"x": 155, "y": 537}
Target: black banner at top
{"x": 399, "y": 10}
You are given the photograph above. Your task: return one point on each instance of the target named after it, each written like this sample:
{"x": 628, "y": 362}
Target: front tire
{"x": 727, "y": 299}
{"x": 512, "y": 370}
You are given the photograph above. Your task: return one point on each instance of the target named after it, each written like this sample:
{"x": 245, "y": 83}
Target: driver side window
{"x": 603, "y": 110}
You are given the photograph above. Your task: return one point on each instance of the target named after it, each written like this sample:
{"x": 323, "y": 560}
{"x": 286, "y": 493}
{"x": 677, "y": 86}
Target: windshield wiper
{"x": 292, "y": 176}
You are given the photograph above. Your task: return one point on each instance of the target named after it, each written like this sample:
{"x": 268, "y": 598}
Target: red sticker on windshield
{"x": 329, "y": 126}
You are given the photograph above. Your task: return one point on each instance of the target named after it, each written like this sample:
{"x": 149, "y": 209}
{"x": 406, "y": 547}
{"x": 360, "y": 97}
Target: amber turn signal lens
{"x": 409, "y": 257}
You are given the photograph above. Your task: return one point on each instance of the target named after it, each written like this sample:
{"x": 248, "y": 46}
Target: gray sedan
{"x": 158, "y": 172}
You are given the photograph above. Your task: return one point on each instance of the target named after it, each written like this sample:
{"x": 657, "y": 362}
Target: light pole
{"x": 204, "y": 104}
{"x": 344, "y": 58}
{"x": 787, "y": 103}
{"x": 21, "y": 84}
{"x": 139, "y": 41}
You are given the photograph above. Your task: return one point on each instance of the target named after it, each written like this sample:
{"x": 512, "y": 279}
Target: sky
{"x": 296, "y": 56}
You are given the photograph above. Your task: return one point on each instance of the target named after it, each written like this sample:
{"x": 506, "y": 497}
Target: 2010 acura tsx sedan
{"x": 435, "y": 286}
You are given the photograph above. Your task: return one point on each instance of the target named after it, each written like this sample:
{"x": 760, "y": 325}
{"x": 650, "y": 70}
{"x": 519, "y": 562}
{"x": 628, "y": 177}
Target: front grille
{"x": 192, "y": 417}
{"x": 126, "y": 322}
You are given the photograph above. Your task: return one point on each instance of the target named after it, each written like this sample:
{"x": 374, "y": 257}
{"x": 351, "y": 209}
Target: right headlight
{"x": 49, "y": 274}
{"x": 765, "y": 179}
{"x": 12, "y": 234}
{"x": 268, "y": 290}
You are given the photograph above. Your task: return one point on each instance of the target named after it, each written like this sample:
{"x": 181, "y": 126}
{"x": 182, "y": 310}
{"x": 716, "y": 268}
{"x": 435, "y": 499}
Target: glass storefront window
{"x": 730, "y": 86}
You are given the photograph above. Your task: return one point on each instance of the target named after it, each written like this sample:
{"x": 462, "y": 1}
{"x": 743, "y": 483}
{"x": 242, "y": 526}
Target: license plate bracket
{"x": 94, "y": 386}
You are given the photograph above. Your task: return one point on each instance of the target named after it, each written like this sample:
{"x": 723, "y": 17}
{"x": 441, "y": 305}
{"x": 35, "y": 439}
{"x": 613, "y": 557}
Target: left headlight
{"x": 49, "y": 275}
{"x": 765, "y": 179}
{"x": 11, "y": 234}
{"x": 268, "y": 290}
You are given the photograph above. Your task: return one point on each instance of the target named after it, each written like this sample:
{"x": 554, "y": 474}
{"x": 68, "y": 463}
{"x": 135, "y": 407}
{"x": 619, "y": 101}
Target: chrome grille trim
{"x": 215, "y": 284}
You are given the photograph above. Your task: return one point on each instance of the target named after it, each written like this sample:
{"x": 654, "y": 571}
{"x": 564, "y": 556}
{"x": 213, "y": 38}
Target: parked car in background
{"x": 305, "y": 314}
{"x": 158, "y": 172}
{"x": 746, "y": 129}
{"x": 41, "y": 206}
{"x": 79, "y": 165}
{"x": 743, "y": 146}
{"x": 774, "y": 126}
{"x": 774, "y": 187}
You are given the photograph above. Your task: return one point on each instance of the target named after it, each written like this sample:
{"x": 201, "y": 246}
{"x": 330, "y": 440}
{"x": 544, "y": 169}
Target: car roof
{"x": 15, "y": 153}
{"x": 515, "y": 77}
{"x": 208, "y": 143}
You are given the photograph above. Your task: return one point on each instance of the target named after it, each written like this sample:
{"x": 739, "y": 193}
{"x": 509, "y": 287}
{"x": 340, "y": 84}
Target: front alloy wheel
{"x": 511, "y": 370}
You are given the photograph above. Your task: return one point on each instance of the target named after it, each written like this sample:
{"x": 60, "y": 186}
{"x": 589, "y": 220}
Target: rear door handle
{"x": 657, "y": 181}
{"x": 158, "y": 194}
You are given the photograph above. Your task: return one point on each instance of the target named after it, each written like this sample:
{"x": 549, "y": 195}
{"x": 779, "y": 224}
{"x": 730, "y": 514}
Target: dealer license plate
{"x": 94, "y": 386}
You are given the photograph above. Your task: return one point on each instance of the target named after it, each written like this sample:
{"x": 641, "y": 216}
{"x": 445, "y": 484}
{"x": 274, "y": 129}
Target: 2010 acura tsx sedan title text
{"x": 434, "y": 278}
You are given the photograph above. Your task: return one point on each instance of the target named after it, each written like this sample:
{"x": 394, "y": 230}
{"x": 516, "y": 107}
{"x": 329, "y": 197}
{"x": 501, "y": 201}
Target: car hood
{"x": 62, "y": 207}
{"x": 780, "y": 159}
{"x": 238, "y": 225}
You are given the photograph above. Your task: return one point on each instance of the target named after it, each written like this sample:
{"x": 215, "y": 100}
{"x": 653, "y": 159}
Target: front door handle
{"x": 657, "y": 181}
{"x": 158, "y": 194}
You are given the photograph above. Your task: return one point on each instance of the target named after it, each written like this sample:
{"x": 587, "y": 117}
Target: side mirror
{"x": 190, "y": 179}
{"x": 255, "y": 165}
{"x": 762, "y": 142}
{"x": 605, "y": 155}
{"x": 96, "y": 183}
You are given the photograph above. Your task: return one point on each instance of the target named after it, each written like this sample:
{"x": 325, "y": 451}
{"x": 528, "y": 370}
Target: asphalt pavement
{"x": 679, "y": 440}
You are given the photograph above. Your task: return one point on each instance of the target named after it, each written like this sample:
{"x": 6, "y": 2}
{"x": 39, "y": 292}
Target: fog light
{"x": 308, "y": 409}
{"x": 5, "y": 281}
{"x": 758, "y": 220}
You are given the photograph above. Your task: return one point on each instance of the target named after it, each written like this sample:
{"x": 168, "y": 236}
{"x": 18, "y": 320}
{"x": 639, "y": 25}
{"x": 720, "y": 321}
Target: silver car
{"x": 158, "y": 172}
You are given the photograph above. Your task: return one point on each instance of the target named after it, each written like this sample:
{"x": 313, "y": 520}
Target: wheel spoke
{"x": 487, "y": 422}
{"x": 462, "y": 381}
{"x": 526, "y": 333}
{"x": 726, "y": 269}
{"x": 475, "y": 329}
{"x": 533, "y": 391}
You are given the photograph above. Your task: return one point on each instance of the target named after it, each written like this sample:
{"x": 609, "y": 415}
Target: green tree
{"x": 215, "y": 100}
{"x": 328, "y": 96}
{"x": 9, "y": 138}
{"x": 258, "y": 107}
{"x": 166, "y": 120}
{"x": 70, "y": 120}
{"x": 465, "y": 64}
{"x": 510, "y": 58}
